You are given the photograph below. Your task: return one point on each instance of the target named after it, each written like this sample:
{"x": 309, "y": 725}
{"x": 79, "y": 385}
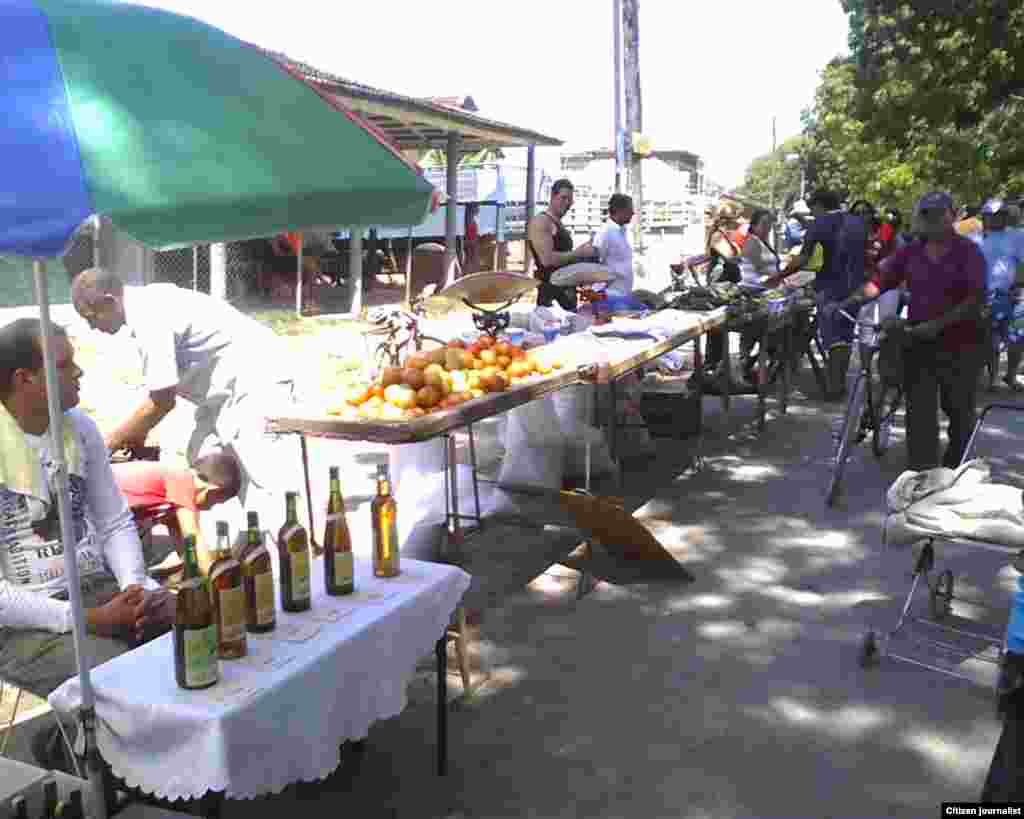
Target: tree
{"x": 773, "y": 173}
{"x": 941, "y": 81}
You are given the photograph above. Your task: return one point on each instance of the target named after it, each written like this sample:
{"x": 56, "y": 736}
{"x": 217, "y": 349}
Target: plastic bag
{"x": 541, "y": 315}
{"x": 575, "y": 409}
{"x": 534, "y": 447}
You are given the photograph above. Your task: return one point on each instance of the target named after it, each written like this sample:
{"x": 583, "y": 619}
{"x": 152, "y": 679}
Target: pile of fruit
{"x": 444, "y": 378}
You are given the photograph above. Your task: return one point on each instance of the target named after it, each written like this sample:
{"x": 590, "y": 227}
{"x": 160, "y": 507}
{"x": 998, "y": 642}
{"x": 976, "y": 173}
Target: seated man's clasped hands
{"x": 122, "y": 604}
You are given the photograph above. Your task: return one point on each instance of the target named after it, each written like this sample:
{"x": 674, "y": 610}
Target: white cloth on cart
{"x": 963, "y": 504}
{"x": 263, "y": 727}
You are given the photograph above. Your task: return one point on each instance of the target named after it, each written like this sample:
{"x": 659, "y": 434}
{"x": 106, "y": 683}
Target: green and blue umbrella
{"x": 178, "y": 132}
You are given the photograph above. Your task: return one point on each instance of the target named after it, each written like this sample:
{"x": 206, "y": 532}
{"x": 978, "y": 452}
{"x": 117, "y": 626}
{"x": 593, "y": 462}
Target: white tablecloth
{"x": 279, "y": 715}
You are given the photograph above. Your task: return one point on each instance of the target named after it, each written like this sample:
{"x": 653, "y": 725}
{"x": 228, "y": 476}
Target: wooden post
{"x": 531, "y": 204}
{"x": 219, "y": 271}
{"x": 355, "y": 269}
{"x": 452, "y": 206}
{"x": 634, "y": 110}
{"x": 298, "y": 279}
{"x": 408, "y": 270}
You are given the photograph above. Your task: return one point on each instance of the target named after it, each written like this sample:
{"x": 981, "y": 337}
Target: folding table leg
{"x": 309, "y": 495}
{"x": 441, "y": 655}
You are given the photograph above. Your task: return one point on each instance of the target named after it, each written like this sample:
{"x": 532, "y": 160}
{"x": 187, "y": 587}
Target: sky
{"x": 712, "y": 74}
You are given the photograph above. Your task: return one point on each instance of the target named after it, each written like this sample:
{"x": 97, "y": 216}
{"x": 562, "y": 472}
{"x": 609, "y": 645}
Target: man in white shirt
{"x": 613, "y": 244}
{"x": 202, "y": 349}
{"x": 122, "y": 603}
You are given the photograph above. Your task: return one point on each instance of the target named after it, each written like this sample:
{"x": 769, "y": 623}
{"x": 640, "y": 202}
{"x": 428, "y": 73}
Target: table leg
{"x": 613, "y": 409}
{"x": 785, "y": 368}
{"x": 453, "y": 468}
{"x": 472, "y": 466}
{"x": 727, "y": 370}
{"x": 761, "y": 375}
{"x": 441, "y": 654}
{"x": 309, "y": 495}
{"x": 698, "y": 367}
{"x": 211, "y": 806}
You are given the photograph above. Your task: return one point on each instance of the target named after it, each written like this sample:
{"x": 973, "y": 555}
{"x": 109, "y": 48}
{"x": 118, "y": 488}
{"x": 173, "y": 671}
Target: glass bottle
{"x": 384, "y": 512}
{"x": 257, "y": 580}
{"x": 195, "y": 630}
{"x": 293, "y": 558}
{"x": 338, "y": 566}
{"x": 228, "y": 598}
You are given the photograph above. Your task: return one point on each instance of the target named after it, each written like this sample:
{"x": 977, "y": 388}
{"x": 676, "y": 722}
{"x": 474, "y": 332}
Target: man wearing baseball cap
{"x": 942, "y": 339}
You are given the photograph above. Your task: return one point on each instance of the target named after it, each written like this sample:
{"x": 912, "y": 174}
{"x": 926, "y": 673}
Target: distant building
{"x": 674, "y": 189}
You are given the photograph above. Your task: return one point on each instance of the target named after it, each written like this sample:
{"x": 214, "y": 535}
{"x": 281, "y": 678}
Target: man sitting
{"x": 121, "y": 604}
{"x": 215, "y": 478}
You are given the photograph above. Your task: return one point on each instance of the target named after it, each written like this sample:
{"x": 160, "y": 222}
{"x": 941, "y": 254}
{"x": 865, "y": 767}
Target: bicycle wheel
{"x": 886, "y": 404}
{"x": 851, "y": 423}
{"x": 428, "y": 343}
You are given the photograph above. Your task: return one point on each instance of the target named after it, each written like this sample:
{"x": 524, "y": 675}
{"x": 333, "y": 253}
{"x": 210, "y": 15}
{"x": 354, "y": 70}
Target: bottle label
{"x": 343, "y": 568}
{"x": 232, "y": 614}
{"x": 334, "y": 517}
{"x": 264, "y": 583}
{"x": 300, "y": 575}
{"x": 200, "y": 656}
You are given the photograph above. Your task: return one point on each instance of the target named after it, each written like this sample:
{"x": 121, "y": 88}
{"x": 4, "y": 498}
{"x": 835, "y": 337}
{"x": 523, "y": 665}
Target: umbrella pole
{"x": 87, "y": 713}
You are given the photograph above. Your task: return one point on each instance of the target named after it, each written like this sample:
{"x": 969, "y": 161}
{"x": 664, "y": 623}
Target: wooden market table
{"x": 624, "y": 356}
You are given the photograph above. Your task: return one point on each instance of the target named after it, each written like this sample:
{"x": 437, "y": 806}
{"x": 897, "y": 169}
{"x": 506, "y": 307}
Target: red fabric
{"x": 295, "y": 240}
{"x": 886, "y": 232}
{"x": 472, "y": 232}
{"x": 147, "y": 484}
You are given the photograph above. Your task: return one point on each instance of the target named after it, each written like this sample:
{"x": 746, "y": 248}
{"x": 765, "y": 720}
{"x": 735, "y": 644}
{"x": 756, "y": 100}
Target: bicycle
{"x": 871, "y": 408}
{"x": 401, "y": 329}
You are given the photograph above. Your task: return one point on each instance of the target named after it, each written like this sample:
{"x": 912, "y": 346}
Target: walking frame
{"x": 875, "y": 644}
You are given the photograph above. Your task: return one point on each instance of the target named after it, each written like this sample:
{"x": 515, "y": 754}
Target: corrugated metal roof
{"x": 417, "y": 123}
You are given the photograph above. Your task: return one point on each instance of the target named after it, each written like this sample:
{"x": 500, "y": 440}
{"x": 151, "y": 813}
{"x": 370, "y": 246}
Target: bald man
{"x": 200, "y": 349}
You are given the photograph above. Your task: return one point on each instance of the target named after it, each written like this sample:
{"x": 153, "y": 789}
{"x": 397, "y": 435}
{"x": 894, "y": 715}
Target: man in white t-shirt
{"x": 202, "y": 349}
{"x": 613, "y": 244}
{"x": 121, "y": 603}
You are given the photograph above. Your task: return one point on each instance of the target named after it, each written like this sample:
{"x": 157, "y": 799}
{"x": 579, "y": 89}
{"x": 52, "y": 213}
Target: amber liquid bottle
{"x": 195, "y": 629}
{"x": 385, "y": 527}
{"x": 257, "y": 580}
{"x": 293, "y": 558}
{"x": 338, "y": 566}
{"x": 228, "y": 598}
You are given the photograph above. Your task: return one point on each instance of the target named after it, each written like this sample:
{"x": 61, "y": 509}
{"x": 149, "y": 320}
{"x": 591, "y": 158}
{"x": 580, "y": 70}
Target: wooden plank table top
{"x": 625, "y": 355}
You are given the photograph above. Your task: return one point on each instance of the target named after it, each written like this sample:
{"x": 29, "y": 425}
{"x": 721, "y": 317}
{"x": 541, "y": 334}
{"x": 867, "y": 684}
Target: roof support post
{"x": 451, "y": 211}
{"x": 531, "y": 204}
{"x": 355, "y": 270}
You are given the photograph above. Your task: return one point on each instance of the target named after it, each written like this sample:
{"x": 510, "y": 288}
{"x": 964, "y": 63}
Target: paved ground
{"x": 736, "y": 695}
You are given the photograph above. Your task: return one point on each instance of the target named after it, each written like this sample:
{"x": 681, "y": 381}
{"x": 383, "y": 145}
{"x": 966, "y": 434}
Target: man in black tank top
{"x": 551, "y": 246}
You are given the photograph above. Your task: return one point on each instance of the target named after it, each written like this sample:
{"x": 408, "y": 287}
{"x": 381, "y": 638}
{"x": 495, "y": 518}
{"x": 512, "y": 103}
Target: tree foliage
{"x": 773, "y": 177}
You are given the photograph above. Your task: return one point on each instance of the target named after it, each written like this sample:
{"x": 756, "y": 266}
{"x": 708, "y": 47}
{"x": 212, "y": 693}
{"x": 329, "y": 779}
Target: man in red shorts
{"x": 215, "y": 478}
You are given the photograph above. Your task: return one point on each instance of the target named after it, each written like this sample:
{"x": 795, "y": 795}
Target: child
{"x": 215, "y": 478}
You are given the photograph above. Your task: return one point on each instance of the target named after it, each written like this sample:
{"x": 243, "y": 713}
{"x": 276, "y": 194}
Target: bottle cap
{"x": 254, "y": 520}
{"x": 333, "y": 473}
{"x": 222, "y": 528}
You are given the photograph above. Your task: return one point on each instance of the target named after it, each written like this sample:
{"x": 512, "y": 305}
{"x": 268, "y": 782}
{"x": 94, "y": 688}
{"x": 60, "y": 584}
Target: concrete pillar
{"x": 452, "y": 207}
{"x": 219, "y": 271}
{"x": 355, "y": 269}
{"x": 531, "y": 203}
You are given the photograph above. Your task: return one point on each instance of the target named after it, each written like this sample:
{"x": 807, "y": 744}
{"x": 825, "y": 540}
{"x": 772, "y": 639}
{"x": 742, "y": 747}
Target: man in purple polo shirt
{"x": 943, "y": 347}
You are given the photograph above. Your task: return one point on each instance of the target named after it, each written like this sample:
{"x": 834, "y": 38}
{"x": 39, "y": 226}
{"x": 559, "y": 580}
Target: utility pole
{"x": 617, "y": 144}
{"x": 634, "y": 111}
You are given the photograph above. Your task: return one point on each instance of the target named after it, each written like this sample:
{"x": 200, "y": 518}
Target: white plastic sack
{"x": 575, "y": 409}
{"x": 581, "y": 273}
{"x": 534, "y": 447}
